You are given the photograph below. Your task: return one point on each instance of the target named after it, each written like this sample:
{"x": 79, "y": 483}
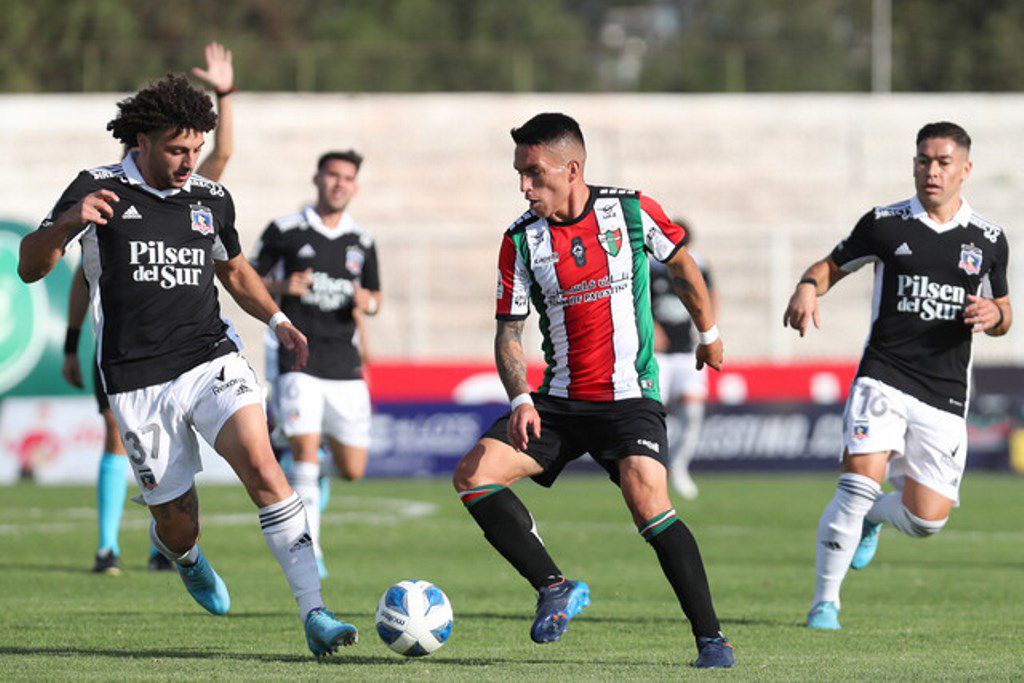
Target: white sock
{"x": 839, "y": 533}
{"x": 889, "y": 509}
{"x": 284, "y": 527}
{"x": 305, "y": 479}
{"x": 692, "y": 418}
{"x": 185, "y": 559}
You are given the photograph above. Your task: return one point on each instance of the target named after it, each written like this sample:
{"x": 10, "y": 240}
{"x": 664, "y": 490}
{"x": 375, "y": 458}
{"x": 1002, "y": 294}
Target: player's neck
{"x": 579, "y": 195}
{"x": 328, "y": 217}
{"x": 147, "y": 175}
{"x": 943, "y": 213}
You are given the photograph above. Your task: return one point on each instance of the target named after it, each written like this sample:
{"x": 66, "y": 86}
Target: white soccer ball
{"x": 414, "y": 618}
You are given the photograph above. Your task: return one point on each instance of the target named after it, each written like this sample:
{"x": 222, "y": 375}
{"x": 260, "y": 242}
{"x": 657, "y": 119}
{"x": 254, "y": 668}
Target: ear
{"x": 575, "y": 170}
{"x": 967, "y": 168}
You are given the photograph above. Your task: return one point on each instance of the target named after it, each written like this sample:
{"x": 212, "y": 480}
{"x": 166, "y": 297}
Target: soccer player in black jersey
{"x": 323, "y": 267}
{"x": 940, "y": 278}
{"x": 111, "y": 483}
{"x": 153, "y": 236}
{"x": 684, "y": 388}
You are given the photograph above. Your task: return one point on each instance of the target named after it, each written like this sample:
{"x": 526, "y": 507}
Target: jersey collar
{"x": 346, "y": 224}
{"x": 961, "y": 218}
{"x": 134, "y": 176}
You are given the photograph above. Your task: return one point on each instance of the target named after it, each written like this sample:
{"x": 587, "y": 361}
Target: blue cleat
{"x": 824, "y": 615}
{"x": 714, "y": 653}
{"x": 868, "y": 545}
{"x": 205, "y": 586}
{"x": 324, "y": 633}
{"x": 556, "y": 605}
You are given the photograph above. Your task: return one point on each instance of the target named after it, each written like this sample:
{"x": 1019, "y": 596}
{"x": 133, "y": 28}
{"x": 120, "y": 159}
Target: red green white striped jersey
{"x": 589, "y": 280}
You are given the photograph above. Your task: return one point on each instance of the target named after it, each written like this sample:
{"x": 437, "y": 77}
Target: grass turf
{"x": 941, "y": 608}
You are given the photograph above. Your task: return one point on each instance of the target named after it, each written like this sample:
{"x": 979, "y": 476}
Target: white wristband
{"x": 709, "y": 337}
{"x": 521, "y": 399}
{"x": 277, "y": 319}
{"x": 371, "y": 308}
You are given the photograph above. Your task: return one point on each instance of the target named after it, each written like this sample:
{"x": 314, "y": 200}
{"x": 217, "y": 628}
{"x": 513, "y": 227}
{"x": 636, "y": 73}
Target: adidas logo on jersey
{"x": 903, "y": 250}
{"x": 306, "y": 251}
{"x": 131, "y": 213}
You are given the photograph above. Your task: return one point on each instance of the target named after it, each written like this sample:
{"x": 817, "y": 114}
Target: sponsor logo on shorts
{"x": 237, "y": 381}
{"x": 650, "y": 445}
{"x": 860, "y": 431}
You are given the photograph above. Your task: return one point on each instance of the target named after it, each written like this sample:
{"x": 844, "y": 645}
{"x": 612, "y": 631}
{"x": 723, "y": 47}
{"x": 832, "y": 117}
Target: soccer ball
{"x": 414, "y": 618}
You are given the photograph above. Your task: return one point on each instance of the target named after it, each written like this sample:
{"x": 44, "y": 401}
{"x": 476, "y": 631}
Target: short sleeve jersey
{"x": 150, "y": 271}
{"x": 341, "y": 258}
{"x": 669, "y": 311}
{"x": 589, "y": 280}
{"x": 924, "y": 272}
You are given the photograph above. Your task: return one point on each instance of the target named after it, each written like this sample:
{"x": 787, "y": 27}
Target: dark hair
{"x": 350, "y": 155}
{"x": 687, "y": 227}
{"x": 168, "y": 103}
{"x": 543, "y": 129}
{"x": 945, "y": 129}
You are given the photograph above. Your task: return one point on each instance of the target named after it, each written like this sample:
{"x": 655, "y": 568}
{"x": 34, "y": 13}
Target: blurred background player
{"x": 684, "y": 388}
{"x": 111, "y": 481}
{"x": 580, "y": 253}
{"x": 940, "y": 278}
{"x": 322, "y": 267}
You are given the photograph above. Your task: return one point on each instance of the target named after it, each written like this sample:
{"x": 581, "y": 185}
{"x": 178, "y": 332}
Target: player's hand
{"x": 524, "y": 420}
{"x": 94, "y": 208}
{"x": 981, "y": 313}
{"x": 802, "y": 309}
{"x": 363, "y": 299}
{"x": 219, "y": 73}
{"x": 299, "y": 283}
{"x": 710, "y": 354}
{"x": 294, "y": 341}
{"x": 72, "y": 371}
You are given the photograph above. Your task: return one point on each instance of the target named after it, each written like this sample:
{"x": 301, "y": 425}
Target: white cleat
{"x": 683, "y": 483}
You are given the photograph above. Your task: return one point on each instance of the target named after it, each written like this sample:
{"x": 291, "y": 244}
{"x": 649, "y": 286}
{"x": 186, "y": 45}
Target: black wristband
{"x": 224, "y": 93}
{"x": 808, "y": 281}
{"x": 71, "y": 341}
{"x": 1001, "y": 318}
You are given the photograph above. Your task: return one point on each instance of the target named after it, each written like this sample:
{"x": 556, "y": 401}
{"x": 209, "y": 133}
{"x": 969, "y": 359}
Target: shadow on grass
{"x": 49, "y": 568}
{"x": 342, "y": 658}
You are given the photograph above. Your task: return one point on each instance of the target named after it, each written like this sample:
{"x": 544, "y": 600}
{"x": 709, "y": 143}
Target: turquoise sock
{"x": 111, "y": 487}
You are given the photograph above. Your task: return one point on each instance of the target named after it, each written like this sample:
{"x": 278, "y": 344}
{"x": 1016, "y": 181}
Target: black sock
{"x": 680, "y": 560}
{"x": 508, "y": 526}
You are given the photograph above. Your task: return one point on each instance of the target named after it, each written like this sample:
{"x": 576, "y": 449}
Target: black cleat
{"x": 159, "y": 563}
{"x": 107, "y": 563}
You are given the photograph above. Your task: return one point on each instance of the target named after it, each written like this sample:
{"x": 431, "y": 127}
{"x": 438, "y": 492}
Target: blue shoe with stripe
{"x": 868, "y": 545}
{"x": 205, "y": 586}
{"x": 824, "y": 615}
{"x": 325, "y": 634}
{"x": 556, "y": 606}
{"x": 714, "y": 653}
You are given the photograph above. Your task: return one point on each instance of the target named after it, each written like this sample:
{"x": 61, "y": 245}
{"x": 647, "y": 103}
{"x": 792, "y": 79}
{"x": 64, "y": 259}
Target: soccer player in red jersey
{"x": 579, "y": 256}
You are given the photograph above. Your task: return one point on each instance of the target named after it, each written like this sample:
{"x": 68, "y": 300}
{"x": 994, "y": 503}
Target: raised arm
{"x": 689, "y": 286}
{"x": 511, "y": 362}
{"x": 219, "y": 74}
{"x": 815, "y": 282}
{"x": 246, "y": 287}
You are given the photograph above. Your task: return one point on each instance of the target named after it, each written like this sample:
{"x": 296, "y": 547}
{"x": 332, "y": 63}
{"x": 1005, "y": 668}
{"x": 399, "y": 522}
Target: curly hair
{"x": 168, "y": 103}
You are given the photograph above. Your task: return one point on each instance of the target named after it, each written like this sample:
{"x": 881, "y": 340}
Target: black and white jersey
{"x": 924, "y": 271}
{"x": 341, "y": 258}
{"x": 151, "y": 274}
{"x": 669, "y": 311}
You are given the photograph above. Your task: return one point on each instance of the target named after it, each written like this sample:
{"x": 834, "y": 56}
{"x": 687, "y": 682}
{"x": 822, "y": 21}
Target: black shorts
{"x": 97, "y": 389}
{"x": 609, "y": 431}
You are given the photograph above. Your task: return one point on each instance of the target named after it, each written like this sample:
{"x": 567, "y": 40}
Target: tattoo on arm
{"x": 509, "y": 357}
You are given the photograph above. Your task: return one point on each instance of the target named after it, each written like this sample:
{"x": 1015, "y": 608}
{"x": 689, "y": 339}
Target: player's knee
{"x": 915, "y": 526}
{"x": 352, "y": 472}
{"x": 467, "y": 473}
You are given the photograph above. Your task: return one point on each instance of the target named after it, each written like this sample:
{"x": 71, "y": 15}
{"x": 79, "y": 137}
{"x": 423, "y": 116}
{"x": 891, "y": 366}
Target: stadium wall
{"x": 771, "y": 182}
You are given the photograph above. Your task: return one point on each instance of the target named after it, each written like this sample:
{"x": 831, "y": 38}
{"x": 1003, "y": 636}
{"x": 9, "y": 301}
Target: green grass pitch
{"x": 949, "y": 607}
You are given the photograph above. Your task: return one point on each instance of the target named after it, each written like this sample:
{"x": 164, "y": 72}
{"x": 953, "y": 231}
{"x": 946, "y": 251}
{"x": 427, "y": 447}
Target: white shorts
{"x": 159, "y": 423}
{"x": 337, "y": 408}
{"x": 928, "y": 445}
{"x": 680, "y": 377}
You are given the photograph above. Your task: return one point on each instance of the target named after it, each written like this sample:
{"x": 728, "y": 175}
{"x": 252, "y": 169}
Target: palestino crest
{"x": 970, "y": 259}
{"x": 202, "y": 219}
{"x": 611, "y": 240}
